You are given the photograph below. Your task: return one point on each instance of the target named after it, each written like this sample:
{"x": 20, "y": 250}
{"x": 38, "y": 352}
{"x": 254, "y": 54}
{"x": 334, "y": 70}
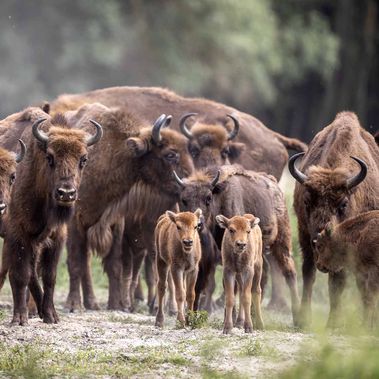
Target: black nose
{"x": 65, "y": 194}
{"x": 241, "y": 244}
{"x": 2, "y": 207}
{"x": 188, "y": 242}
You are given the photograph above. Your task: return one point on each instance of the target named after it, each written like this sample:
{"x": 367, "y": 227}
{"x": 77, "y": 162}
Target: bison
{"x": 178, "y": 251}
{"x": 42, "y": 202}
{"x": 354, "y": 244}
{"x": 128, "y": 180}
{"x": 338, "y": 178}
{"x": 233, "y": 190}
{"x": 242, "y": 262}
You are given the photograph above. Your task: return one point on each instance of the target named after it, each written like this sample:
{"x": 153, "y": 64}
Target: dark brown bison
{"x": 242, "y": 263}
{"x": 217, "y": 134}
{"x": 128, "y": 180}
{"x": 354, "y": 244}
{"x": 338, "y": 178}
{"x": 265, "y": 149}
{"x": 235, "y": 191}
{"x": 42, "y": 202}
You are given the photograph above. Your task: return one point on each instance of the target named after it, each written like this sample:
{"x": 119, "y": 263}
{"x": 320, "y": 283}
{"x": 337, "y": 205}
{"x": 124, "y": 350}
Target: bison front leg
{"x": 49, "y": 264}
{"x": 337, "y": 281}
{"x": 162, "y": 271}
{"x": 150, "y": 276}
{"x": 229, "y": 280}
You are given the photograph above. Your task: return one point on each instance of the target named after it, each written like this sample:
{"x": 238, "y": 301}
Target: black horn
{"x": 216, "y": 178}
{"x": 295, "y": 172}
{"x": 178, "y": 180}
{"x": 234, "y": 132}
{"x": 99, "y": 133}
{"x": 39, "y": 134}
{"x": 20, "y": 156}
{"x": 354, "y": 181}
{"x": 183, "y": 126}
{"x": 161, "y": 121}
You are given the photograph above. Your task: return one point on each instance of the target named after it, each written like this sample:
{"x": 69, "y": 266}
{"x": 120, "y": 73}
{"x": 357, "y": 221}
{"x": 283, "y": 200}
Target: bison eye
{"x": 50, "y": 160}
{"x": 208, "y": 200}
{"x": 12, "y": 178}
{"x": 171, "y": 157}
{"x": 178, "y": 227}
{"x": 225, "y": 153}
{"x": 83, "y": 161}
{"x": 194, "y": 151}
{"x": 232, "y": 231}
{"x": 341, "y": 210}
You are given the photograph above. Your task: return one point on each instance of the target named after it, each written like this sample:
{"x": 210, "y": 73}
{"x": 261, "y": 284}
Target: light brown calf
{"x": 354, "y": 245}
{"x": 178, "y": 250}
{"x": 242, "y": 261}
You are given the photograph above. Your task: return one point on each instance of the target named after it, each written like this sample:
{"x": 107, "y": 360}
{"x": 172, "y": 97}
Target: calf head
{"x": 237, "y": 230}
{"x": 327, "y": 194}
{"x": 66, "y": 155}
{"x": 158, "y": 151}
{"x": 8, "y": 163}
{"x": 187, "y": 224}
{"x": 330, "y": 255}
{"x": 211, "y": 145}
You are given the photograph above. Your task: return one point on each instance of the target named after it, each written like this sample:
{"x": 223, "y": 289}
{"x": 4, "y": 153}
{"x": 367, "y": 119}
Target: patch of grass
{"x": 128, "y": 320}
{"x": 255, "y": 348}
{"x": 197, "y": 319}
{"x": 2, "y": 315}
{"x": 208, "y": 373}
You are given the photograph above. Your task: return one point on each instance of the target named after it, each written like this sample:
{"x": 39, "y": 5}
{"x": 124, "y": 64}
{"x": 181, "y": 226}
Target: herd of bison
{"x": 142, "y": 175}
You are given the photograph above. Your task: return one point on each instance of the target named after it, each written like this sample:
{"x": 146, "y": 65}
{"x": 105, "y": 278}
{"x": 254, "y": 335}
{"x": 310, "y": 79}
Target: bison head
{"x": 212, "y": 145}
{"x": 325, "y": 194}
{"x": 8, "y": 163}
{"x": 197, "y": 192}
{"x": 158, "y": 151}
{"x": 65, "y": 157}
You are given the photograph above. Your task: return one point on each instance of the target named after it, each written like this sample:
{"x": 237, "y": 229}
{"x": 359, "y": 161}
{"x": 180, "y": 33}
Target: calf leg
{"x": 172, "y": 306}
{"x": 229, "y": 280}
{"x": 241, "y": 310}
{"x": 113, "y": 267}
{"x": 337, "y": 281}
{"x": 177, "y": 276}
{"x": 257, "y": 296}
{"x": 190, "y": 288}
{"x": 162, "y": 271}
{"x": 245, "y": 282}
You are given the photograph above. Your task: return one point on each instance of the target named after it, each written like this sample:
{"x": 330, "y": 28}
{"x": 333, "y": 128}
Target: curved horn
{"x": 234, "y": 132}
{"x": 295, "y": 172}
{"x": 178, "y": 180}
{"x": 39, "y": 134}
{"x": 99, "y": 133}
{"x": 156, "y": 132}
{"x": 20, "y": 156}
{"x": 183, "y": 126}
{"x": 216, "y": 178}
{"x": 354, "y": 181}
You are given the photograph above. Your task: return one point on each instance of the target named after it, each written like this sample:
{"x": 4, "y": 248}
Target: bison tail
{"x": 292, "y": 143}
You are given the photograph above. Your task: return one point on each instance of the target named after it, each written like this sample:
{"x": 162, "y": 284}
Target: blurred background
{"x": 294, "y": 64}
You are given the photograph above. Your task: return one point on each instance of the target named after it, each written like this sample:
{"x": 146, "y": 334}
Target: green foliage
{"x": 197, "y": 319}
{"x": 255, "y": 348}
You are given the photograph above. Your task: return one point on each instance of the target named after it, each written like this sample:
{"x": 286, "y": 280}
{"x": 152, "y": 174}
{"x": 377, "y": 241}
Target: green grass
{"x": 197, "y": 320}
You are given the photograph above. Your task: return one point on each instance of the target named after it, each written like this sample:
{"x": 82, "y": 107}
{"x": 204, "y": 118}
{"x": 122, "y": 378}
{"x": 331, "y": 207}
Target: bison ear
{"x": 220, "y": 187}
{"x": 222, "y": 221}
{"x": 46, "y": 107}
{"x": 171, "y": 216}
{"x": 137, "y": 146}
{"x": 236, "y": 149}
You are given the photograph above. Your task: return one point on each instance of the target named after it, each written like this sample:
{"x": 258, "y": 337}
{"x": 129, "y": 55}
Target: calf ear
{"x": 198, "y": 213}
{"x": 236, "y": 149}
{"x": 254, "y": 221}
{"x": 137, "y": 146}
{"x": 222, "y": 221}
{"x": 171, "y": 216}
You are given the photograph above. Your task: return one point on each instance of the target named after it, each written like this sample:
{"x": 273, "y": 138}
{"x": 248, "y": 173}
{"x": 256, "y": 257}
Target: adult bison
{"x": 338, "y": 178}
{"x": 129, "y": 173}
{"x": 42, "y": 202}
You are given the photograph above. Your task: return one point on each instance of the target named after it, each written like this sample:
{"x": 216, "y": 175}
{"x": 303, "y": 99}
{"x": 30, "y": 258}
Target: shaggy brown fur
{"x": 354, "y": 244}
{"x": 128, "y": 176}
{"x": 241, "y": 191}
{"x": 178, "y": 251}
{"x": 36, "y": 226}
{"x": 265, "y": 149}
{"x": 242, "y": 261}
{"x": 325, "y": 197}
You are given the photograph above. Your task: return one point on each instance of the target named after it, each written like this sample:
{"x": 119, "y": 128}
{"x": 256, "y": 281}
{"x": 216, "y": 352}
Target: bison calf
{"x": 242, "y": 260}
{"x": 354, "y": 244}
{"x": 177, "y": 249}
